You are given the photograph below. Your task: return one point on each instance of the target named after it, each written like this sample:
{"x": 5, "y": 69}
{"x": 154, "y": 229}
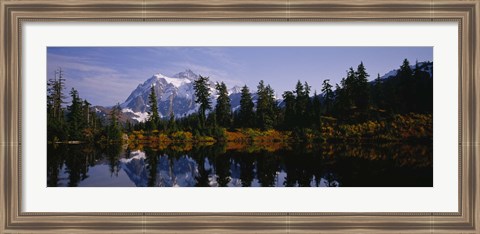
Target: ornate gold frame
{"x": 14, "y": 12}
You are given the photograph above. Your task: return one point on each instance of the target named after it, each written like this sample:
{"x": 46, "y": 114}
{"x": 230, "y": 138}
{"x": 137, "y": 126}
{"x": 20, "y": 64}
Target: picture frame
{"x": 14, "y": 13}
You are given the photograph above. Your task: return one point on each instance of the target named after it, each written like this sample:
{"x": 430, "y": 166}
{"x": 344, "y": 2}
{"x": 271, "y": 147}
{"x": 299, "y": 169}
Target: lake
{"x": 241, "y": 165}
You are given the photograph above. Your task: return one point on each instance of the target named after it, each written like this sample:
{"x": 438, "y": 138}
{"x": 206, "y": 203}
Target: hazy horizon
{"x": 107, "y": 75}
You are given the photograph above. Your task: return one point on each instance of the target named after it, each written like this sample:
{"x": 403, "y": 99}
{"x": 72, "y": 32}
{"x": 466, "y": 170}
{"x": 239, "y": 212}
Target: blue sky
{"x": 107, "y": 75}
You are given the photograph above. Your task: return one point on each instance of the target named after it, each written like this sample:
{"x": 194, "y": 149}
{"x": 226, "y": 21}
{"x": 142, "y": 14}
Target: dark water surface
{"x": 237, "y": 165}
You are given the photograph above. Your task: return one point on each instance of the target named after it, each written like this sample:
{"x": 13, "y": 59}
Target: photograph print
{"x": 239, "y": 116}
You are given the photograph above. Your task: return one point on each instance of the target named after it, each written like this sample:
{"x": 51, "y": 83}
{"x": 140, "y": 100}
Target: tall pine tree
{"x": 202, "y": 94}
{"x": 406, "y": 87}
{"x": 246, "y": 114}
{"x": 55, "y": 95}
{"x": 154, "y": 118}
{"x": 377, "y": 93}
{"x": 74, "y": 116}
{"x": 316, "y": 121}
{"x": 266, "y": 106}
{"x": 290, "y": 117}
{"x": 114, "y": 131}
{"x": 56, "y": 126}
{"x": 361, "y": 93}
{"x": 328, "y": 95}
{"x": 223, "y": 109}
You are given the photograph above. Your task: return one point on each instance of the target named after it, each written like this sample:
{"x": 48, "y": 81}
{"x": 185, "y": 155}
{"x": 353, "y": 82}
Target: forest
{"x": 397, "y": 108}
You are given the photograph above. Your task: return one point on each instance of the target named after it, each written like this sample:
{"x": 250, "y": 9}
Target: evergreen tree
{"x": 202, "y": 94}
{"x": 128, "y": 126}
{"x": 342, "y": 101}
{"x": 272, "y": 109}
{"x": 86, "y": 112}
{"x": 56, "y": 126}
{"x": 290, "y": 116}
{"x": 246, "y": 114}
{"x": 309, "y": 114}
{"x": 377, "y": 94}
{"x": 300, "y": 103}
{"x": 154, "y": 118}
{"x": 353, "y": 92}
{"x": 417, "y": 72}
{"x": 261, "y": 103}
{"x": 406, "y": 85}
{"x": 266, "y": 106}
{"x": 417, "y": 87}
{"x": 316, "y": 121}
{"x": 114, "y": 132}
{"x": 55, "y": 95}
{"x": 74, "y": 116}
{"x": 348, "y": 85}
{"x": 172, "y": 126}
{"x": 423, "y": 89}
{"x": 303, "y": 104}
{"x": 223, "y": 110}
{"x": 361, "y": 93}
{"x": 328, "y": 95}
{"x": 405, "y": 70}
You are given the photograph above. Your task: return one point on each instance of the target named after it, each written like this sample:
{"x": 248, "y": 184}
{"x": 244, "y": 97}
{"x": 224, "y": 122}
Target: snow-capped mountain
{"x": 175, "y": 94}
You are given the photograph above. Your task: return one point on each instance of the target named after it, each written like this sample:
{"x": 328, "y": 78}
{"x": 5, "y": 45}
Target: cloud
{"x": 75, "y": 63}
{"x": 103, "y": 89}
{"x": 214, "y": 74}
{"x": 100, "y": 85}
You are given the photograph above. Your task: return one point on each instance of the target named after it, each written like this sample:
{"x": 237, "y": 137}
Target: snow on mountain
{"x": 389, "y": 74}
{"x": 187, "y": 74}
{"x": 235, "y": 89}
{"x": 138, "y": 116}
{"x": 176, "y": 172}
{"x": 177, "y": 82}
{"x": 135, "y": 168}
{"x": 175, "y": 94}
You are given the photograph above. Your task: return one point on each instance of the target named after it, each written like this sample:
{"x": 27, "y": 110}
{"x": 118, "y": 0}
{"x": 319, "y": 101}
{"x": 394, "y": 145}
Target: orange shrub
{"x": 163, "y": 138}
{"x": 237, "y": 136}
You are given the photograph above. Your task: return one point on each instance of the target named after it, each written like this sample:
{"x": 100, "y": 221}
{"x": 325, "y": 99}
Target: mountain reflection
{"x": 234, "y": 165}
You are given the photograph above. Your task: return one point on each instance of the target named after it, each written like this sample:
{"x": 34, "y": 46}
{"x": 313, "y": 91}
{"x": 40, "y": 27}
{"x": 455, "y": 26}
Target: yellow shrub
{"x": 181, "y": 136}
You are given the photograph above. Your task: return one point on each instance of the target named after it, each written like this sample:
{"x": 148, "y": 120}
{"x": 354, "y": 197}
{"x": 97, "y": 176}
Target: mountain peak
{"x": 159, "y": 75}
{"x": 235, "y": 89}
{"x": 187, "y": 74}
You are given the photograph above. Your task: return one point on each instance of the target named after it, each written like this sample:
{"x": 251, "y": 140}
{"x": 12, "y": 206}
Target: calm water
{"x": 236, "y": 165}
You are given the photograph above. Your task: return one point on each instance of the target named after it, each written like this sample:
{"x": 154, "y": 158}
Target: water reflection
{"x": 241, "y": 165}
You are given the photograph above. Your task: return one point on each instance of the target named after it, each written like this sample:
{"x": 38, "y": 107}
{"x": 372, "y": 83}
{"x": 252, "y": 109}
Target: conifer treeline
{"x": 354, "y": 100}
{"x": 78, "y": 121}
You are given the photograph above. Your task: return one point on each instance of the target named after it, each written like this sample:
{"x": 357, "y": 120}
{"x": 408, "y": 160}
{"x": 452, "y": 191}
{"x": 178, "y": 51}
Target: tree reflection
{"x": 304, "y": 165}
{"x": 151, "y": 161}
{"x": 76, "y": 164}
{"x": 267, "y": 167}
{"x": 222, "y": 167}
{"x": 202, "y": 155}
{"x": 112, "y": 152}
{"x": 56, "y": 155}
{"x": 203, "y": 174}
{"x": 247, "y": 167}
